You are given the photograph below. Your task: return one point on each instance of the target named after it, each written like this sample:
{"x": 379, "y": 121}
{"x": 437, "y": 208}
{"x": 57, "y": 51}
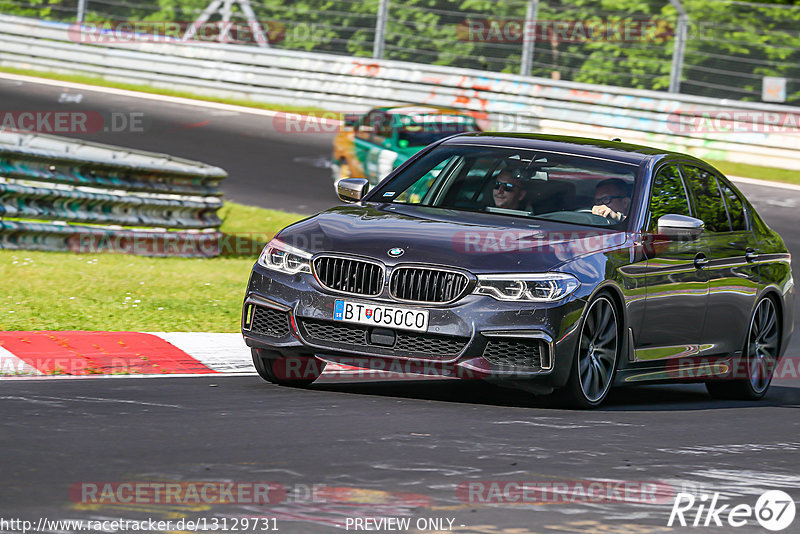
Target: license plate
{"x": 380, "y": 315}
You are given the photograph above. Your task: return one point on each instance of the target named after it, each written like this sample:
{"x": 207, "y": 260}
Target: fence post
{"x": 81, "y": 15}
{"x": 380, "y": 29}
{"x": 528, "y": 40}
{"x": 679, "y": 47}
{"x": 225, "y": 9}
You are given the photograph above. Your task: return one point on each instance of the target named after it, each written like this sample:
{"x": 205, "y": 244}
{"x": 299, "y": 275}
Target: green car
{"x": 374, "y": 144}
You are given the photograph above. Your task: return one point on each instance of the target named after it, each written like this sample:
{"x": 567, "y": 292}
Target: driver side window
{"x": 668, "y": 195}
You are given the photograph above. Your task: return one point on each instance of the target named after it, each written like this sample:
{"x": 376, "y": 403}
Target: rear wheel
{"x": 759, "y": 358}
{"x": 297, "y": 371}
{"x": 596, "y": 360}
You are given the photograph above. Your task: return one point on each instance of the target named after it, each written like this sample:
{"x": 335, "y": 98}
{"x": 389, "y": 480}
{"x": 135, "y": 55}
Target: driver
{"x": 509, "y": 191}
{"x": 612, "y": 200}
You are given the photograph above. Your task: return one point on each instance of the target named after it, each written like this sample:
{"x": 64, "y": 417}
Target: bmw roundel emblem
{"x": 396, "y": 252}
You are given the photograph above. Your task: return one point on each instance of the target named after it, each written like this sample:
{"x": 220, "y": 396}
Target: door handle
{"x": 700, "y": 260}
{"x": 750, "y": 255}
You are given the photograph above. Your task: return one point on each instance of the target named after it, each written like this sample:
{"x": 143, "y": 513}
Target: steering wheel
{"x": 597, "y": 218}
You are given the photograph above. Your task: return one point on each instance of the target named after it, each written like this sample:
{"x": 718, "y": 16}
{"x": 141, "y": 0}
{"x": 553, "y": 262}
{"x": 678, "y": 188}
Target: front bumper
{"x": 476, "y": 336}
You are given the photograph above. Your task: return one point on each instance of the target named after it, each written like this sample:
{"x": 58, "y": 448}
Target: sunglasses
{"x": 605, "y": 200}
{"x": 505, "y": 186}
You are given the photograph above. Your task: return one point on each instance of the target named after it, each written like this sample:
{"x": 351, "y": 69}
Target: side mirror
{"x": 680, "y": 227}
{"x": 352, "y": 189}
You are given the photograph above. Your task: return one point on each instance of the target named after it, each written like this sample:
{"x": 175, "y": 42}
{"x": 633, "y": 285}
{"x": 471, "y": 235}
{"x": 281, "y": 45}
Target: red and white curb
{"x": 79, "y": 354}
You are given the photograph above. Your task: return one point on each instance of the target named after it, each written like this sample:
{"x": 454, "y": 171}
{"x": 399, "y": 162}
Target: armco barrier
{"x": 350, "y": 84}
{"x": 59, "y": 194}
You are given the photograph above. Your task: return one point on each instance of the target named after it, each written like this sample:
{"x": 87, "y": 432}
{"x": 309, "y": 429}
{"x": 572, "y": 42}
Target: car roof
{"x": 583, "y": 146}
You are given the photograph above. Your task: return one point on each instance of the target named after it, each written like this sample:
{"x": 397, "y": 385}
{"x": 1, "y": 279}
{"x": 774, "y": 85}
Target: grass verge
{"x": 733, "y": 169}
{"x": 66, "y": 291}
{"x": 142, "y": 88}
{"x": 754, "y": 171}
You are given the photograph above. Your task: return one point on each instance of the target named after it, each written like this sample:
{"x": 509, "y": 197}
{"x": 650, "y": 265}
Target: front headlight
{"x": 544, "y": 287}
{"x": 279, "y": 256}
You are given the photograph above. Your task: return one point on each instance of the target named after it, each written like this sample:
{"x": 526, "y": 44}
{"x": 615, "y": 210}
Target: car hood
{"x": 478, "y": 242}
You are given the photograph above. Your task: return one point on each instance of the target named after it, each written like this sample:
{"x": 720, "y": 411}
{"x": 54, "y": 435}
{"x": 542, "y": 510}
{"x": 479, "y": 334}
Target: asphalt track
{"x": 380, "y": 449}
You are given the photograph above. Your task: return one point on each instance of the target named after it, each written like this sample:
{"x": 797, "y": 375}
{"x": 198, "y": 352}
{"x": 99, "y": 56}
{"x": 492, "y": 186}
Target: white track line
{"x": 103, "y": 377}
{"x": 226, "y": 353}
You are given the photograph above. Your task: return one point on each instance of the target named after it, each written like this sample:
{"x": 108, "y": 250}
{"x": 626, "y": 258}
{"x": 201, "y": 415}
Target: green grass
{"x": 142, "y": 88}
{"x": 66, "y": 291}
{"x": 754, "y": 171}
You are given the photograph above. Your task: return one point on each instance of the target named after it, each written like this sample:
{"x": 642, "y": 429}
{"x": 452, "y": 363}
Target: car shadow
{"x": 666, "y": 397}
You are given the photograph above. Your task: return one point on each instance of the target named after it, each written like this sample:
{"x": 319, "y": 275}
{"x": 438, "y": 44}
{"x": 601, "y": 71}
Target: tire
{"x": 596, "y": 358}
{"x": 295, "y": 371}
{"x": 759, "y": 357}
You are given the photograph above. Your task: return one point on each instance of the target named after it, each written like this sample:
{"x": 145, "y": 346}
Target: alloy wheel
{"x": 598, "y": 349}
{"x": 762, "y": 346}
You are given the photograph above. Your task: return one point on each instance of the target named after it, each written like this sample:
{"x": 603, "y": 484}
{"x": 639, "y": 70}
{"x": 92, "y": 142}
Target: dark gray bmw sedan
{"x": 556, "y": 264}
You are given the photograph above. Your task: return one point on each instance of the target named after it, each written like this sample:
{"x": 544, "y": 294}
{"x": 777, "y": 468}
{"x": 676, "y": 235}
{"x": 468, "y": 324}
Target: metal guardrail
{"x": 351, "y": 84}
{"x": 64, "y": 195}
{"x": 719, "y": 48}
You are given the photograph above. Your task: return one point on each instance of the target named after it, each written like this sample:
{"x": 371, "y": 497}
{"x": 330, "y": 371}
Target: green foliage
{"x": 48, "y": 290}
{"x": 731, "y": 46}
{"x": 45, "y": 9}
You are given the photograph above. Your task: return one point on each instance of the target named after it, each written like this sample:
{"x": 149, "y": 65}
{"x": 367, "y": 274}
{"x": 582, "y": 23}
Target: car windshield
{"x": 517, "y": 182}
{"x": 424, "y": 130}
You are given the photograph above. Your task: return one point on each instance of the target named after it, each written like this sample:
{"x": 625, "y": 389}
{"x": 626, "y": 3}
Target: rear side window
{"x": 668, "y": 196}
{"x": 707, "y": 198}
{"x": 735, "y": 208}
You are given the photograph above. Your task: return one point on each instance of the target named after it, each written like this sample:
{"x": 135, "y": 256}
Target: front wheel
{"x": 296, "y": 371}
{"x": 759, "y": 358}
{"x": 596, "y": 360}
